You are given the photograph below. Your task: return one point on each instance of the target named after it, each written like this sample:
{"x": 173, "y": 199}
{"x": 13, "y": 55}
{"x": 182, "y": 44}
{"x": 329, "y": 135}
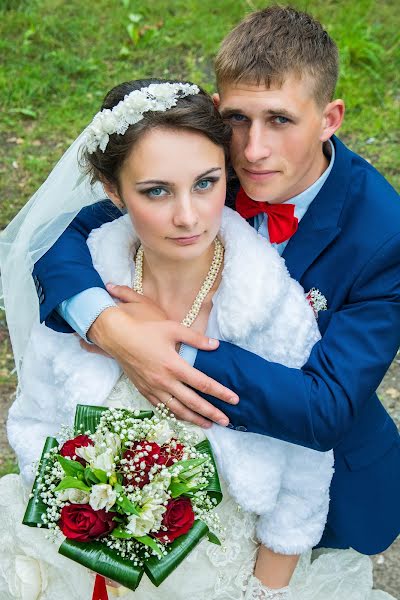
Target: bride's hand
{"x": 145, "y": 347}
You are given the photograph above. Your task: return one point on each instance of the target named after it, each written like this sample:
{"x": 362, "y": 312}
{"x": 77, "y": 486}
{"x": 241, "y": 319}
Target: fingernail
{"x": 206, "y": 425}
{"x": 213, "y": 343}
{"x": 110, "y": 286}
{"x": 234, "y": 400}
{"x": 223, "y": 422}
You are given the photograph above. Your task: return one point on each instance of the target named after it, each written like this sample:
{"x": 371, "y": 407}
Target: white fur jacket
{"x": 258, "y": 307}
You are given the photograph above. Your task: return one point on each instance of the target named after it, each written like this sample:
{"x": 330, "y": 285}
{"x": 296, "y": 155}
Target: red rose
{"x": 69, "y": 448}
{"x": 142, "y": 456}
{"x": 178, "y": 519}
{"x": 81, "y": 523}
{"x": 170, "y": 453}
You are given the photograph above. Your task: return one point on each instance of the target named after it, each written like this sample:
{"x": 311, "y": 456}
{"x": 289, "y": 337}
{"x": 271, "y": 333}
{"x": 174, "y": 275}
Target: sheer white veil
{"x": 32, "y": 232}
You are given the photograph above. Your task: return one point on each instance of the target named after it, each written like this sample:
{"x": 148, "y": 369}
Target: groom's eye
{"x": 236, "y": 118}
{"x": 279, "y": 120}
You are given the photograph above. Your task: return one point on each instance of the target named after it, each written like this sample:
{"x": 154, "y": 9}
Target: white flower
{"x": 108, "y": 440}
{"x": 102, "y": 496}
{"x": 150, "y": 518}
{"x": 97, "y": 458}
{"x": 88, "y": 453}
{"x": 161, "y": 433}
{"x": 104, "y": 461}
{"x": 29, "y": 580}
{"x": 73, "y": 495}
{"x": 157, "y": 97}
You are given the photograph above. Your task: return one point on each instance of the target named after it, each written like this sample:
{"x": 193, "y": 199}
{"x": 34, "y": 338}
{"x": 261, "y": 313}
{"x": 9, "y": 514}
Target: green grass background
{"x": 59, "y": 57}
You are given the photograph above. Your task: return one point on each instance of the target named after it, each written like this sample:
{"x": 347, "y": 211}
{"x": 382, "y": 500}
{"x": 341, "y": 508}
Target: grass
{"x": 59, "y": 58}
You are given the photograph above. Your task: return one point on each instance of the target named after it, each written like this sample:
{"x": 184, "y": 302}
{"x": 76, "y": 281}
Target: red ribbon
{"x": 282, "y": 223}
{"x": 100, "y": 589}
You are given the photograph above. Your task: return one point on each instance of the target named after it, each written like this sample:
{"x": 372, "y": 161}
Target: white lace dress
{"x": 31, "y": 568}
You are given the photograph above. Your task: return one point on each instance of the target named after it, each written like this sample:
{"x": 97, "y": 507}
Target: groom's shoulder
{"x": 365, "y": 179}
{"x": 368, "y": 193}
{"x": 96, "y": 214}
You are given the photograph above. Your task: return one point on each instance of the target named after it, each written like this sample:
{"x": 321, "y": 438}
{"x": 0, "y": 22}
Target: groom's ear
{"x": 332, "y": 118}
{"x": 216, "y": 99}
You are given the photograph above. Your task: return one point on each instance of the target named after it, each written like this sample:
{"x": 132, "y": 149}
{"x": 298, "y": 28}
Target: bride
{"x": 160, "y": 150}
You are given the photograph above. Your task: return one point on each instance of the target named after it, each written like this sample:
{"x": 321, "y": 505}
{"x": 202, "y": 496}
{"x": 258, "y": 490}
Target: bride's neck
{"x": 174, "y": 284}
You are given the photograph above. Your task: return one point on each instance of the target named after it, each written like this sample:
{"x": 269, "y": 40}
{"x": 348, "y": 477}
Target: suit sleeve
{"x": 67, "y": 269}
{"x": 317, "y": 405}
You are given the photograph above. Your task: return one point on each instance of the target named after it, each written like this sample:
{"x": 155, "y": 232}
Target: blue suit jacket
{"x": 348, "y": 247}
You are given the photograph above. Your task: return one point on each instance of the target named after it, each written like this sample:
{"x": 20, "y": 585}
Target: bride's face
{"x": 173, "y": 185}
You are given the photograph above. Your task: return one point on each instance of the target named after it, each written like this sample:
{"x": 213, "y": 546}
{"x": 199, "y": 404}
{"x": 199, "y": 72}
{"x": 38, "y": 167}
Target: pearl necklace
{"x": 204, "y": 290}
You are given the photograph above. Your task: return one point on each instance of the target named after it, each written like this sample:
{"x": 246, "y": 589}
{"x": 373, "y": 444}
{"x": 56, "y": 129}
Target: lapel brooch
{"x": 317, "y": 301}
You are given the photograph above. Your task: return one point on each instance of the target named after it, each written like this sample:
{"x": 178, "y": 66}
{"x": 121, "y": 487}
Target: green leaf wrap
{"x": 158, "y": 570}
{"x": 36, "y": 508}
{"x": 99, "y": 558}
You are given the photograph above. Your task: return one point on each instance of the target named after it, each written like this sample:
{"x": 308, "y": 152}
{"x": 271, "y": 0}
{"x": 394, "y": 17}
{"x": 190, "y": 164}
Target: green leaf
{"x": 101, "y": 475}
{"x": 36, "y": 507}
{"x": 178, "y": 489}
{"x": 70, "y": 467}
{"x": 103, "y": 560}
{"x": 26, "y": 112}
{"x": 150, "y": 542}
{"x": 213, "y": 538}
{"x": 187, "y": 464}
{"x": 90, "y": 477}
{"x": 127, "y": 506}
{"x": 121, "y": 533}
{"x": 72, "y": 482}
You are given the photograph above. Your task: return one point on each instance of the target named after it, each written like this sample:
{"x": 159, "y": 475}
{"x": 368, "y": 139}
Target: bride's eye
{"x": 205, "y": 184}
{"x": 156, "y": 192}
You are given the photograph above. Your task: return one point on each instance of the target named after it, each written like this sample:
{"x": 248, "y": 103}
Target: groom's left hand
{"x": 144, "y": 342}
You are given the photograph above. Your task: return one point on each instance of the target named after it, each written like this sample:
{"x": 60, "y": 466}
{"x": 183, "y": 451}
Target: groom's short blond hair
{"x": 272, "y": 43}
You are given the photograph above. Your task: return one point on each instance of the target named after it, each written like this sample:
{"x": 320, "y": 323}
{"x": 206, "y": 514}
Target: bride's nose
{"x": 185, "y": 214}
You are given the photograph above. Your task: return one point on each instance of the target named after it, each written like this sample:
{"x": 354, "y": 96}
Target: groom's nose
{"x": 256, "y": 147}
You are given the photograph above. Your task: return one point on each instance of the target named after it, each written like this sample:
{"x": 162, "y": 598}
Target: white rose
{"x": 160, "y": 433}
{"x": 102, "y": 496}
{"x": 108, "y": 440}
{"x": 29, "y": 581}
{"x": 73, "y": 495}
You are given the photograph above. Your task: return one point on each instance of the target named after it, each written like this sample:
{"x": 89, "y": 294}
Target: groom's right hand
{"x": 144, "y": 343}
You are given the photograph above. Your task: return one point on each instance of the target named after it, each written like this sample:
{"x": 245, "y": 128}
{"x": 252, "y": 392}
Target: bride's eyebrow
{"x": 208, "y": 172}
{"x": 162, "y": 182}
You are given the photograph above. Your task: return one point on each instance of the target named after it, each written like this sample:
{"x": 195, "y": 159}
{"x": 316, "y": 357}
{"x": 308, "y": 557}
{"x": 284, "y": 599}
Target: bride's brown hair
{"x": 195, "y": 113}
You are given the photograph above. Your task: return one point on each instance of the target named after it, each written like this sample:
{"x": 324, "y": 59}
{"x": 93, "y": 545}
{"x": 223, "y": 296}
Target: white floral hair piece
{"x": 157, "y": 97}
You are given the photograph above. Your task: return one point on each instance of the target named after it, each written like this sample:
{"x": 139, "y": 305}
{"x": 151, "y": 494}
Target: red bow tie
{"x": 282, "y": 223}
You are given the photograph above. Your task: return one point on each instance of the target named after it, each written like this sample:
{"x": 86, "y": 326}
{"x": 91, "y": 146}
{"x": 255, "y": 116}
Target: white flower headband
{"x": 155, "y": 97}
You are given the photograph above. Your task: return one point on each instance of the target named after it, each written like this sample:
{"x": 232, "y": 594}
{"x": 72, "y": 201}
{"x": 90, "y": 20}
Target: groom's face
{"x": 277, "y": 137}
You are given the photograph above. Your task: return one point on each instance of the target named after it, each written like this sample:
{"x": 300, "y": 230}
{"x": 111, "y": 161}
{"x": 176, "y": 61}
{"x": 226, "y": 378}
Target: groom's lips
{"x": 259, "y": 175}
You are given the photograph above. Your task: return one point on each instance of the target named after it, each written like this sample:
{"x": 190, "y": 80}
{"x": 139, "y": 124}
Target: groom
{"x": 335, "y": 220}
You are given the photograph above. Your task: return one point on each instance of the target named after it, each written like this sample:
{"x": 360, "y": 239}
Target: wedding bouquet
{"x": 131, "y": 492}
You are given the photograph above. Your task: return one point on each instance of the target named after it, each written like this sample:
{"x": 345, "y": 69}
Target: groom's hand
{"x": 144, "y": 342}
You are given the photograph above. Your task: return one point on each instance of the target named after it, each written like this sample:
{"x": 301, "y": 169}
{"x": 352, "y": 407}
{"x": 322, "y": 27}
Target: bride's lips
{"x": 186, "y": 241}
{"x": 259, "y": 175}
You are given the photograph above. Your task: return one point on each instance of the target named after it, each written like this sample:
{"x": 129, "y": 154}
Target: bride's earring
{"x": 257, "y": 591}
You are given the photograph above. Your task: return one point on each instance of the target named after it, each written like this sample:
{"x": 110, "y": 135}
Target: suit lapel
{"x": 320, "y": 225}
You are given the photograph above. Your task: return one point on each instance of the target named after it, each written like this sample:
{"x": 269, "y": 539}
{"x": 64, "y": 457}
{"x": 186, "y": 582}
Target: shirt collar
{"x": 302, "y": 201}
